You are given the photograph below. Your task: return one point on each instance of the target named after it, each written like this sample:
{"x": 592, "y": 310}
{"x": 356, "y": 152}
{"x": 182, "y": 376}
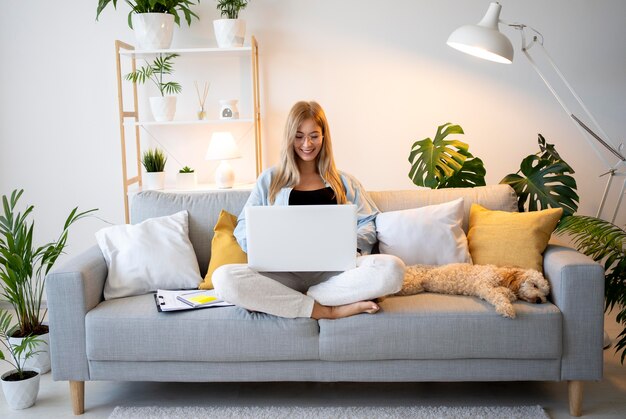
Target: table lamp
{"x": 485, "y": 40}
{"x": 223, "y": 148}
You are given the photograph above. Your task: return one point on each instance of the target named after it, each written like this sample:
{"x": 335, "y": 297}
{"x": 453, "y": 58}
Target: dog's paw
{"x": 506, "y": 310}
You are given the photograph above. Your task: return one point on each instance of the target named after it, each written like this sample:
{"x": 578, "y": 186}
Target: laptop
{"x": 301, "y": 238}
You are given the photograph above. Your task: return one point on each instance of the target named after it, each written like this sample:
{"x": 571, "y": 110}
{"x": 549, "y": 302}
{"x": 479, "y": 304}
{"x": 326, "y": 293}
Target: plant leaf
{"x": 434, "y": 161}
{"x": 544, "y": 184}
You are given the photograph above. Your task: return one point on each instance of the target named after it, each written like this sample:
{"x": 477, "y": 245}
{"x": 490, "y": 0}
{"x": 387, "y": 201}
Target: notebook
{"x": 301, "y": 238}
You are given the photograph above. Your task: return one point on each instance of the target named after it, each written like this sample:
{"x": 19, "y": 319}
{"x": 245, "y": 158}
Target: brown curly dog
{"x": 497, "y": 285}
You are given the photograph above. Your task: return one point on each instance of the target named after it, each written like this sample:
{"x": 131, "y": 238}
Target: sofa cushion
{"x": 511, "y": 239}
{"x": 203, "y": 208}
{"x": 153, "y": 254}
{"x": 437, "y": 326}
{"x": 494, "y": 197}
{"x": 131, "y": 329}
{"x": 224, "y": 247}
{"x": 430, "y": 235}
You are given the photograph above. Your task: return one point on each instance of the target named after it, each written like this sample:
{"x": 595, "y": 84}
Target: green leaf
{"x": 434, "y": 161}
{"x": 472, "y": 174}
{"x": 544, "y": 184}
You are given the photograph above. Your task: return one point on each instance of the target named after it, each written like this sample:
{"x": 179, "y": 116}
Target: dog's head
{"x": 528, "y": 284}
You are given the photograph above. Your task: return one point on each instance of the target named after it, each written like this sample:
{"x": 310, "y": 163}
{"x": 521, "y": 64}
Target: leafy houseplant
{"x": 230, "y": 30}
{"x": 171, "y": 7}
{"x": 20, "y": 385}
{"x": 163, "y": 107}
{"x": 604, "y": 242}
{"x": 230, "y": 9}
{"x": 23, "y": 266}
{"x": 186, "y": 178}
{"x": 442, "y": 163}
{"x": 153, "y": 161}
{"x": 154, "y": 72}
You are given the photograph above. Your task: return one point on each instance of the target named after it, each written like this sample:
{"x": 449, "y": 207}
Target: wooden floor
{"x": 604, "y": 399}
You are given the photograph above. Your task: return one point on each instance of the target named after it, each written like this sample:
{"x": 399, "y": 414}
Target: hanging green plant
{"x": 544, "y": 182}
{"x": 442, "y": 163}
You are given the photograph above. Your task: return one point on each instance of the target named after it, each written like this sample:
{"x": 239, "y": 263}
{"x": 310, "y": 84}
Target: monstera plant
{"x": 544, "y": 182}
{"x": 442, "y": 163}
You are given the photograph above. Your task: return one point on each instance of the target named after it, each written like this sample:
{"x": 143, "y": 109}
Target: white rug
{"x": 418, "y": 412}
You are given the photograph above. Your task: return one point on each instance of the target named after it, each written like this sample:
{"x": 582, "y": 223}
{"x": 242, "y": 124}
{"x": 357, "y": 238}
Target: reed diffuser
{"x": 202, "y": 99}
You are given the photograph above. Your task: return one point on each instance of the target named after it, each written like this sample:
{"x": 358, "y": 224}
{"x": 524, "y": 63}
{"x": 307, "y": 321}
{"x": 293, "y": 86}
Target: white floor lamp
{"x": 485, "y": 40}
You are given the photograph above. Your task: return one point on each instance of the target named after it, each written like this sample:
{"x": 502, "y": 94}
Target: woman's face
{"x": 308, "y": 141}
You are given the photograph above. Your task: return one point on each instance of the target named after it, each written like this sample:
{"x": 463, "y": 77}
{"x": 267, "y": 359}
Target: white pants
{"x": 282, "y": 293}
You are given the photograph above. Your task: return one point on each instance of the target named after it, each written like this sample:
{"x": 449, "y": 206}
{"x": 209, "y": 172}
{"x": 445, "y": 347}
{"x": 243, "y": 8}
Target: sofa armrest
{"x": 577, "y": 287}
{"x": 72, "y": 291}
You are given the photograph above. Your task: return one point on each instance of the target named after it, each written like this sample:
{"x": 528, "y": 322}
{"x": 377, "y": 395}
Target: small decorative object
{"x": 163, "y": 107}
{"x": 21, "y": 384}
{"x": 23, "y": 270}
{"x": 230, "y": 31}
{"x": 186, "y": 178}
{"x": 153, "y": 161}
{"x": 202, "y": 100}
{"x": 153, "y": 20}
{"x": 228, "y": 109}
{"x": 223, "y": 148}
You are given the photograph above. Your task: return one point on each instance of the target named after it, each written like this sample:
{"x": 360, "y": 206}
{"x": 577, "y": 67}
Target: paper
{"x": 167, "y": 300}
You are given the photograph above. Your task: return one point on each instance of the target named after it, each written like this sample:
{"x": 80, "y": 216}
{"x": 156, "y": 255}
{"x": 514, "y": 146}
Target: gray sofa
{"x": 425, "y": 337}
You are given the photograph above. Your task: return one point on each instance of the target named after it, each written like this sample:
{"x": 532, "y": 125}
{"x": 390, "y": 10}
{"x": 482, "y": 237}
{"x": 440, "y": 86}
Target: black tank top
{"x": 324, "y": 196}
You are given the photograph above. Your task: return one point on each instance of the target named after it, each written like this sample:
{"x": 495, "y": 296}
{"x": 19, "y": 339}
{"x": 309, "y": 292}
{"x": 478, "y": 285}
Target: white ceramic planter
{"x": 229, "y": 33}
{"x": 186, "y": 180}
{"x": 20, "y": 394}
{"x": 153, "y": 180}
{"x": 41, "y": 360}
{"x": 163, "y": 108}
{"x": 153, "y": 30}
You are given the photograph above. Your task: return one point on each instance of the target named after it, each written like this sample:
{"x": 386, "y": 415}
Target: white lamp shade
{"x": 485, "y": 39}
{"x": 222, "y": 147}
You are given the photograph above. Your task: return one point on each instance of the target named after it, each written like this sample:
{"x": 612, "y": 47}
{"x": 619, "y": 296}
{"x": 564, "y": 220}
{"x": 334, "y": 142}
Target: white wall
{"x": 381, "y": 70}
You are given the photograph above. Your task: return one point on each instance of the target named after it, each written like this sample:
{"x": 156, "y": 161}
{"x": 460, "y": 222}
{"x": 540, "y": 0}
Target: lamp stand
{"x": 224, "y": 175}
{"x": 612, "y": 170}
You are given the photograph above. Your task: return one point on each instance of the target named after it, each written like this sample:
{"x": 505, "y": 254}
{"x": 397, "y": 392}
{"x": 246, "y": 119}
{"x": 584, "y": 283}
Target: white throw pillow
{"x": 154, "y": 254}
{"x": 429, "y": 235}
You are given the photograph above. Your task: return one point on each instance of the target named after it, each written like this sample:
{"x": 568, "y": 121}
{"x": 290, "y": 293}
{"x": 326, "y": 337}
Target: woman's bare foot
{"x": 346, "y": 310}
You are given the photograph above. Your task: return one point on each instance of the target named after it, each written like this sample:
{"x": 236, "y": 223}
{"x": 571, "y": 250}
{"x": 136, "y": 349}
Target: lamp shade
{"x": 484, "y": 40}
{"x": 222, "y": 147}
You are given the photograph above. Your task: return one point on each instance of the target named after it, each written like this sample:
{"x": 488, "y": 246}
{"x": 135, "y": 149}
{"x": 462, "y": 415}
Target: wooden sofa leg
{"x": 575, "y": 393}
{"x": 77, "y": 393}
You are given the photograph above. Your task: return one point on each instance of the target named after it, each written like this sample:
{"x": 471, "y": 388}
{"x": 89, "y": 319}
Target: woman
{"x": 307, "y": 176}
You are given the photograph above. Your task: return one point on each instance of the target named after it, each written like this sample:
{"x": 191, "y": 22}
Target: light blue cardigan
{"x": 355, "y": 194}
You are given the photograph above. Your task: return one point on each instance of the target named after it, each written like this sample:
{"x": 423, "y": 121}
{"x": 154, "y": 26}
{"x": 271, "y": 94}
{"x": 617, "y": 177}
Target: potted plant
{"x": 153, "y": 20}
{"x": 153, "y": 161}
{"x": 186, "y": 178}
{"x": 23, "y": 268}
{"x": 21, "y": 384}
{"x": 230, "y": 30}
{"x": 163, "y": 107}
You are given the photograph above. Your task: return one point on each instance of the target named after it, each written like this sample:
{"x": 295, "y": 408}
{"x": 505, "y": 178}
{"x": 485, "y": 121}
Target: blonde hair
{"x": 287, "y": 174}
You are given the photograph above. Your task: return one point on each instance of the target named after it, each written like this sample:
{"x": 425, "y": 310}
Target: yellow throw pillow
{"x": 510, "y": 238}
{"x": 224, "y": 247}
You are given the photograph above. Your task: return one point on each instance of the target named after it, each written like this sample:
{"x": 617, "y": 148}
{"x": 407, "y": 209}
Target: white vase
{"x": 229, "y": 33}
{"x": 154, "y": 180}
{"x": 163, "y": 108}
{"x": 186, "y": 180}
{"x": 20, "y": 394}
{"x": 153, "y": 30}
{"x": 41, "y": 360}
